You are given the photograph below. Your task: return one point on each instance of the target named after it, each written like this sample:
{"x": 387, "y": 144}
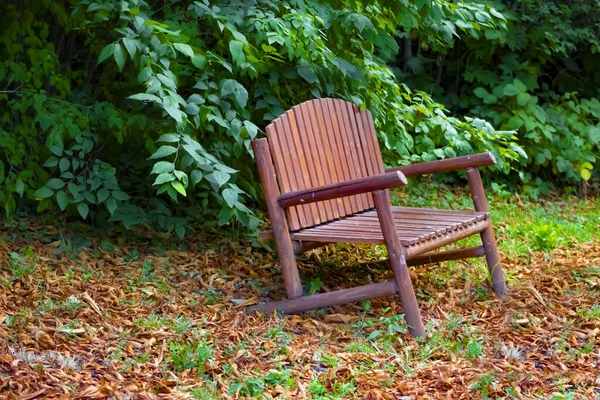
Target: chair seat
{"x": 419, "y": 229}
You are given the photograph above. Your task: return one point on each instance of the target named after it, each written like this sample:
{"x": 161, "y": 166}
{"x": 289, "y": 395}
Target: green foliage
{"x": 538, "y": 74}
{"x": 136, "y": 113}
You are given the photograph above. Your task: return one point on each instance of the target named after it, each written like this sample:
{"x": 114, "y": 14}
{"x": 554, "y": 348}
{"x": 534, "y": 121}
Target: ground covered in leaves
{"x": 109, "y": 318}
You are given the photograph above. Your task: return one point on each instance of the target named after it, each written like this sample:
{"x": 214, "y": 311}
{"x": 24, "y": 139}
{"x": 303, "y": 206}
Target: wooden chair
{"x": 324, "y": 181}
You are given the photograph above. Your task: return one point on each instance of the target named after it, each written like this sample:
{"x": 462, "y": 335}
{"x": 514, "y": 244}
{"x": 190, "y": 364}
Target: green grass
{"x": 521, "y": 225}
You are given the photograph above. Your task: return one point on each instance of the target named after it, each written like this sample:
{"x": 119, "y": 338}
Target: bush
{"x": 101, "y": 94}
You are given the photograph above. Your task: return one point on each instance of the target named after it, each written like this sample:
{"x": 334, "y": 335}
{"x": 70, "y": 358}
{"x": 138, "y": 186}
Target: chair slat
{"x": 320, "y": 142}
{"x": 316, "y": 157}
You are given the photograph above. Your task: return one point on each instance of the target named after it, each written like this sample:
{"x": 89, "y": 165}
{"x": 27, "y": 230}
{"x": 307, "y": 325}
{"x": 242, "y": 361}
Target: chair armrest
{"x": 449, "y": 164}
{"x": 343, "y": 189}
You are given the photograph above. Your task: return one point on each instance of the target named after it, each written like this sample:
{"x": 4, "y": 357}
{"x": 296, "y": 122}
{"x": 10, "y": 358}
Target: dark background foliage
{"x": 142, "y": 112}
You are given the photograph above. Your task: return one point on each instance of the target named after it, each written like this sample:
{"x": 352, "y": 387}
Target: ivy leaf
{"x": 55, "y": 183}
{"x": 308, "y": 75}
{"x": 230, "y": 196}
{"x": 62, "y": 200}
{"x": 163, "y": 151}
{"x": 120, "y": 57}
{"x": 83, "y": 209}
{"x": 106, "y": 52}
{"x": 43, "y": 193}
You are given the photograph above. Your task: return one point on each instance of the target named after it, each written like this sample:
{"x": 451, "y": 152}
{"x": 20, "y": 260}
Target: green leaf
{"x": 145, "y": 97}
{"x": 480, "y": 92}
{"x": 51, "y": 162}
{"x": 586, "y": 174}
{"x": 231, "y": 86}
{"x": 106, "y": 52}
{"x": 221, "y": 177}
{"x": 308, "y": 75}
{"x": 196, "y": 176}
{"x": 64, "y": 164}
{"x": 119, "y": 195}
{"x": 19, "y": 187}
{"x": 510, "y": 90}
{"x": 184, "y": 49}
{"x": 162, "y": 167}
{"x": 180, "y": 231}
{"x": 55, "y": 183}
{"x": 169, "y": 138}
{"x": 57, "y": 151}
{"x": 83, "y": 209}
{"x": 102, "y": 195}
{"x": 237, "y": 52}
{"x": 230, "y": 196}
{"x": 520, "y": 86}
{"x": 251, "y": 128}
{"x": 111, "y": 205}
{"x": 90, "y": 197}
{"x": 43, "y": 192}
{"x": 62, "y": 200}
{"x": 523, "y": 98}
{"x": 120, "y": 57}
{"x": 179, "y": 187}
{"x": 162, "y": 178}
{"x": 130, "y": 45}
{"x": 163, "y": 151}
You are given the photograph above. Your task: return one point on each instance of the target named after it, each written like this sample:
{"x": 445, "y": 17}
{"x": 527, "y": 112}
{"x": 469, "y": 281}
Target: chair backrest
{"x": 320, "y": 142}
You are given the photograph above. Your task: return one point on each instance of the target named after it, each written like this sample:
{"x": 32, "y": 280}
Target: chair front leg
{"x": 397, "y": 255}
{"x": 488, "y": 238}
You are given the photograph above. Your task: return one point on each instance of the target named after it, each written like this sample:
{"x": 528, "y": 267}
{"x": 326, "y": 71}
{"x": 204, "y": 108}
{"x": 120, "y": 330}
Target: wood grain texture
{"x": 281, "y": 234}
{"x": 488, "y": 238}
{"x": 333, "y": 298}
{"x": 449, "y": 164}
{"x": 397, "y": 255}
{"x": 323, "y": 142}
{"x": 347, "y": 188}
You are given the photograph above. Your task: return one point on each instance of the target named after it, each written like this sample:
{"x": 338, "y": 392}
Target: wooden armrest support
{"x": 343, "y": 189}
{"x": 449, "y": 164}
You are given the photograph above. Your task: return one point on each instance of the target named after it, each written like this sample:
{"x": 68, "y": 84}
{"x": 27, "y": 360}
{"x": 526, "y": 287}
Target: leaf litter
{"x": 169, "y": 325}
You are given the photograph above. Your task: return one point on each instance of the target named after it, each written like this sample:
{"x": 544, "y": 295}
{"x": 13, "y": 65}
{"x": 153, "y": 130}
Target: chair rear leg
{"x": 492, "y": 257}
{"x": 397, "y": 256}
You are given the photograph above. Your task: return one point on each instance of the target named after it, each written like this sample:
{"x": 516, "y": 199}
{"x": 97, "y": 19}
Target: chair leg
{"x": 487, "y": 237}
{"x": 492, "y": 257}
{"x": 397, "y": 257}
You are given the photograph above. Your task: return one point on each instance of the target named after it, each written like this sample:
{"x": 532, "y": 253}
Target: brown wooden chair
{"x": 324, "y": 181}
